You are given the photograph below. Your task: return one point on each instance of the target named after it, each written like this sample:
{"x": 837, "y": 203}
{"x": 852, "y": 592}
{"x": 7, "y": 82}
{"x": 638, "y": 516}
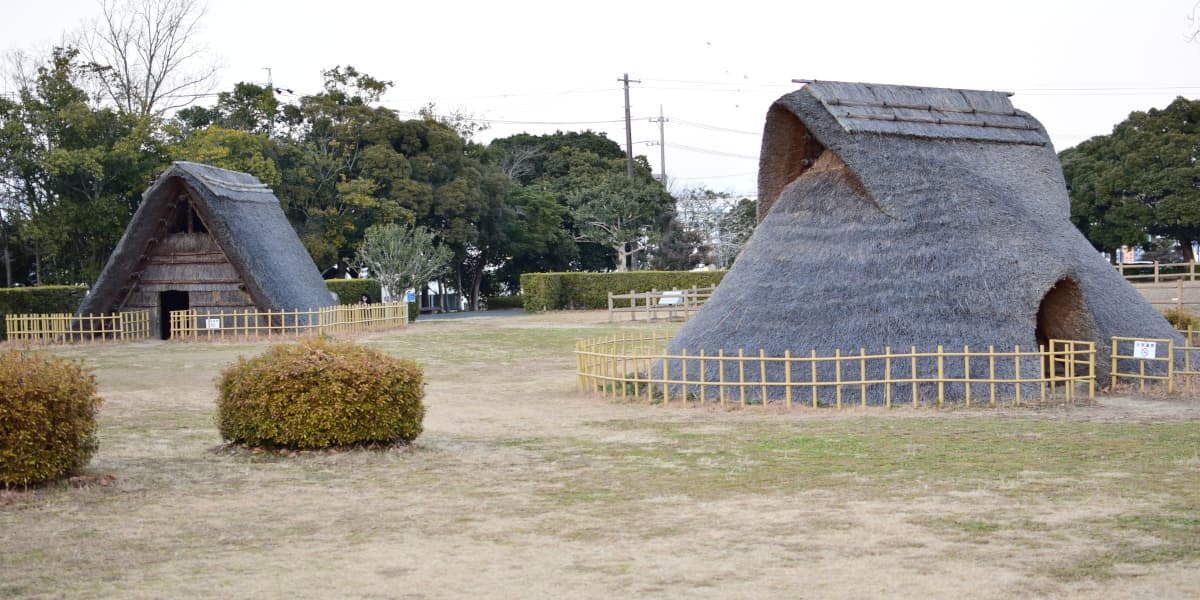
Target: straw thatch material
{"x": 239, "y": 252}
{"x": 900, "y": 216}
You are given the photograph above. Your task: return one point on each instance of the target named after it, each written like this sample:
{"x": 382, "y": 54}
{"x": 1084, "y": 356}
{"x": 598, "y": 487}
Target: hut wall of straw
{"x": 927, "y": 217}
{"x": 220, "y": 237}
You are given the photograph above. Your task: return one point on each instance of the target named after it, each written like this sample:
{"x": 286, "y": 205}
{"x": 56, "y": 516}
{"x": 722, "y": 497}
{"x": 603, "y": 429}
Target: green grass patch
{"x": 1133, "y": 540}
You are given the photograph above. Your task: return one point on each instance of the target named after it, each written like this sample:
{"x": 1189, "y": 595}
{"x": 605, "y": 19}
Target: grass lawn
{"x": 521, "y": 487}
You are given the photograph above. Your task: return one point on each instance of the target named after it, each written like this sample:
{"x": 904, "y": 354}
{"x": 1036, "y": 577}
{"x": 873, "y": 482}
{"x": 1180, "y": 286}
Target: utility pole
{"x": 662, "y": 145}
{"x": 628, "y": 127}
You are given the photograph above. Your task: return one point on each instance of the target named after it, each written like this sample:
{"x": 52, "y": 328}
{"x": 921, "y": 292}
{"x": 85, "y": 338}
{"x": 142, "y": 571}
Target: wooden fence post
{"x": 914, "y": 376}
{"x": 887, "y": 376}
{"x": 742, "y": 377}
{"x": 837, "y": 375}
{"x": 967, "y": 373}
{"x": 1113, "y": 384}
{"x": 762, "y": 364}
{"x": 683, "y": 375}
{"x": 812, "y": 363}
{"x": 787, "y": 378}
{"x": 666, "y": 366}
{"x": 941, "y": 367}
{"x": 862, "y": 376}
{"x": 721, "y": 376}
{"x": 1170, "y": 366}
{"x": 1017, "y": 375}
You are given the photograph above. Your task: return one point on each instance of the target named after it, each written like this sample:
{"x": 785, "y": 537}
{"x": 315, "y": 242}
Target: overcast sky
{"x": 713, "y": 67}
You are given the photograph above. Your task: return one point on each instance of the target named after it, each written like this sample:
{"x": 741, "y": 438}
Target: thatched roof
{"x": 899, "y": 216}
{"x": 246, "y": 220}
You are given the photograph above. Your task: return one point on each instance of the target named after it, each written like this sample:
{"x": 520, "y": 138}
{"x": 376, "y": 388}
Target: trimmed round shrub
{"x": 320, "y": 393}
{"x": 47, "y": 417}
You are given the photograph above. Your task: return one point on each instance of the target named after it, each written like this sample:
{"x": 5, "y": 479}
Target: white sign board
{"x": 1144, "y": 349}
{"x": 212, "y": 323}
{"x": 671, "y": 297}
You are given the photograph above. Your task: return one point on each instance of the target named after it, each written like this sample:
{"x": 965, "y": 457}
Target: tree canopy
{"x": 1142, "y": 179}
{"x": 92, "y": 124}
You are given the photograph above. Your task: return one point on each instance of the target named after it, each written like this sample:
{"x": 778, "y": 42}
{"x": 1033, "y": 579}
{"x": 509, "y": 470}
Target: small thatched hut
{"x": 208, "y": 239}
{"x": 899, "y": 216}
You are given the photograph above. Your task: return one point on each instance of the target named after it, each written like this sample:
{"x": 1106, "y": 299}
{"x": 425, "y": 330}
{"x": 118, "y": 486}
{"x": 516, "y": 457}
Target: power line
{"x": 716, "y": 127}
{"x": 1157, "y": 88}
{"x": 528, "y": 94}
{"x": 729, "y": 176}
{"x": 713, "y": 152}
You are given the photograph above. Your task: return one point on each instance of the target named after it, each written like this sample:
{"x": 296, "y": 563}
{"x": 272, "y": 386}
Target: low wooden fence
{"x": 1158, "y": 272}
{"x": 638, "y": 366}
{"x": 64, "y": 328}
{"x": 655, "y": 303}
{"x": 194, "y": 324}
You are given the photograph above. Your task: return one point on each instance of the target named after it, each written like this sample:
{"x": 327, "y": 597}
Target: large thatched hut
{"x": 900, "y": 216}
{"x": 212, "y": 240}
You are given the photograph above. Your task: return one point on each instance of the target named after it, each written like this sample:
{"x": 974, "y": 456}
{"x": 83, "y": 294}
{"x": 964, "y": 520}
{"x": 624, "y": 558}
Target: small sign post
{"x": 1144, "y": 349}
{"x": 212, "y": 323}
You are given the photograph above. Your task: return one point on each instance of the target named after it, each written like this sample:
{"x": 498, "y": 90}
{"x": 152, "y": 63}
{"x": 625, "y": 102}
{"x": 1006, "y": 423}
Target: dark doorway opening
{"x": 1063, "y": 315}
{"x": 168, "y": 301}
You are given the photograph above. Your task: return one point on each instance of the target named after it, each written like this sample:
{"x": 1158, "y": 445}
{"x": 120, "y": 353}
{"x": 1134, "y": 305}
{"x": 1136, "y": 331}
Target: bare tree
{"x": 1193, "y": 32}
{"x": 146, "y": 54}
{"x": 517, "y": 162}
{"x": 402, "y": 257}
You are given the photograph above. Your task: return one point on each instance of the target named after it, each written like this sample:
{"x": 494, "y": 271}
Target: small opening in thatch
{"x": 185, "y": 219}
{"x": 788, "y": 150}
{"x": 168, "y": 301}
{"x": 1063, "y": 315}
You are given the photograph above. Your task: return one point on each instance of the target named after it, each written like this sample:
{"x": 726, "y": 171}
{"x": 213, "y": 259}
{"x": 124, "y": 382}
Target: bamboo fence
{"x": 1156, "y": 360}
{"x": 65, "y": 328}
{"x": 194, "y": 324}
{"x": 655, "y": 303}
{"x": 638, "y": 366}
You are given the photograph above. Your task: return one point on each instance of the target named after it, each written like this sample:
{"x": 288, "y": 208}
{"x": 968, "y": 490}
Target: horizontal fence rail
{"x": 195, "y": 324}
{"x": 655, "y": 303}
{"x": 65, "y": 328}
{"x": 1158, "y": 272}
{"x": 638, "y": 366}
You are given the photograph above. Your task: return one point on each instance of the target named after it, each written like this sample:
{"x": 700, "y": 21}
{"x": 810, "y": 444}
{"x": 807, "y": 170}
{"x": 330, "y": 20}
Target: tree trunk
{"x": 477, "y": 280}
{"x": 7, "y": 264}
{"x": 1186, "y": 246}
{"x": 459, "y": 287}
{"x": 622, "y": 257}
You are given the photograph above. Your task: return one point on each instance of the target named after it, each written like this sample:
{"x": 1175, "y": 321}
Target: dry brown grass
{"x": 520, "y": 487}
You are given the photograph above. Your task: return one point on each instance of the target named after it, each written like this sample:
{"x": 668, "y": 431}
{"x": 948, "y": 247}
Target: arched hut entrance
{"x": 1063, "y": 315}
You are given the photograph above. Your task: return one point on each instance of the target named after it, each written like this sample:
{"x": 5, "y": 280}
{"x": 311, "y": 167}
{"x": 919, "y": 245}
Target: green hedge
{"x": 558, "y": 291}
{"x": 503, "y": 302}
{"x": 349, "y": 291}
{"x": 43, "y": 299}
